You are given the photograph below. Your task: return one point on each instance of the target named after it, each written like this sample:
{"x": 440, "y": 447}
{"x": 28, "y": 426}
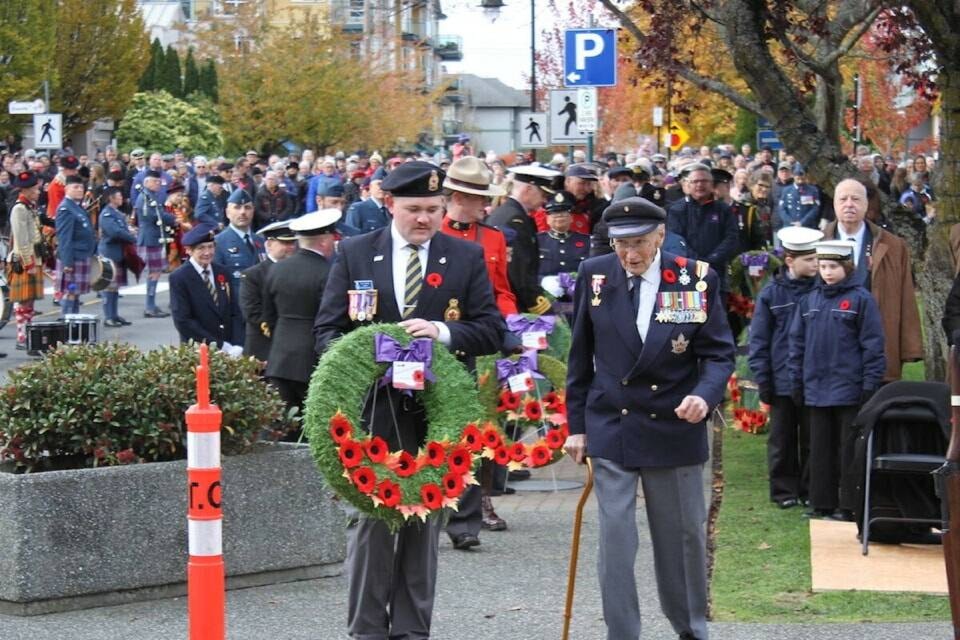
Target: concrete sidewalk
{"x": 511, "y": 587}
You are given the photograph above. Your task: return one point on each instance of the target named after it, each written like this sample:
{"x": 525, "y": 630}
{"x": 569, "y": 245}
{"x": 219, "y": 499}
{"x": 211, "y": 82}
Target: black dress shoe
{"x": 465, "y": 541}
{"x": 788, "y": 503}
{"x": 123, "y": 321}
{"x": 822, "y": 514}
{"x": 519, "y": 474}
{"x": 156, "y": 313}
{"x": 112, "y": 323}
{"x": 506, "y": 491}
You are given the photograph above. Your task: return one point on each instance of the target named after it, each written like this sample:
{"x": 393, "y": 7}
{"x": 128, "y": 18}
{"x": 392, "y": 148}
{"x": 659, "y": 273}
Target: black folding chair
{"x": 906, "y": 426}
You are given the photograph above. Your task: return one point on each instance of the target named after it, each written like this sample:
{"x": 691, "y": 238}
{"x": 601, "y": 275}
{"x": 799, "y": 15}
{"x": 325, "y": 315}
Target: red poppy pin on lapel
{"x": 434, "y": 279}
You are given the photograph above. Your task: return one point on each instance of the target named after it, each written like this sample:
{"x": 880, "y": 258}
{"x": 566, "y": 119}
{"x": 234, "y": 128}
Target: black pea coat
{"x": 195, "y": 314}
{"x": 525, "y": 261}
{"x": 252, "y": 282}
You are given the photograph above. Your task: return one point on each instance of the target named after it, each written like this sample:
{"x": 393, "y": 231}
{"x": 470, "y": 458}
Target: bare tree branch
{"x": 852, "y": 38}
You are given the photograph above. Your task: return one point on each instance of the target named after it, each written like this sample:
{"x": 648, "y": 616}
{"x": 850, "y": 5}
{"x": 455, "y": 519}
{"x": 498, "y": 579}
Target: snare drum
{"x": 42, "y": 336}
{"x": 82, "y": 328}
{"x": 102, "y": 272}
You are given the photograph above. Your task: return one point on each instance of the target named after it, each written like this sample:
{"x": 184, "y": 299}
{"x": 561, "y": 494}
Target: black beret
{"x": 416, "y": 179}
{"x": 199, "y": 234}
{"x": 632, "y": 217}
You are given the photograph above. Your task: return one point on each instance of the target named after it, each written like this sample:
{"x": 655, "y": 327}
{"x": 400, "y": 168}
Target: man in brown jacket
{"x": 883, "y": 260}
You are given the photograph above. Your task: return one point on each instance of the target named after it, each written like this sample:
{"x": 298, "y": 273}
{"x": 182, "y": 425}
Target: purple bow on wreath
{"x": 527, "y": 361}
{"x": 516, "y": 323}
{"x": 757, "y": 260}
{"x": 388, "y": 349}
{"x": 567, "y": 282}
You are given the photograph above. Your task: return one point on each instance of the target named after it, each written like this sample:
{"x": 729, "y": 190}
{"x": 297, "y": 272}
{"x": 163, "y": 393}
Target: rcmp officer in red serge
{"x": 650, "y": 356}
{"x": 200, "y": 294}
{"x": 447, "y": 297}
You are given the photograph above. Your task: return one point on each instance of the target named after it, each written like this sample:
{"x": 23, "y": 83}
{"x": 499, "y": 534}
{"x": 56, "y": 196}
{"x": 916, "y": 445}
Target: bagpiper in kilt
{"x": 25, "y": 267}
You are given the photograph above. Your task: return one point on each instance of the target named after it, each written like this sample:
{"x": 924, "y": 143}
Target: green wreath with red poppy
{"x": 546, "y": 413}
{"x": 393, "y": 486}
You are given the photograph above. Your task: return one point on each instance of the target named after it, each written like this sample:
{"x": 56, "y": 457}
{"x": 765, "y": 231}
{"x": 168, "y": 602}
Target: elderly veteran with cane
{"x": 650, "y": 356}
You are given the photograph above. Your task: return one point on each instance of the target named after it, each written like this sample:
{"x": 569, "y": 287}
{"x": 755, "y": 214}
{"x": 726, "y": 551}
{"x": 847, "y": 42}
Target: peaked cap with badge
{"x": 416, "y": 179}
{"x": 632, "y": 217}
{"x": 316, "y": 223}
{"x": 799, "y": 240}
{"x": 544, "y": 177}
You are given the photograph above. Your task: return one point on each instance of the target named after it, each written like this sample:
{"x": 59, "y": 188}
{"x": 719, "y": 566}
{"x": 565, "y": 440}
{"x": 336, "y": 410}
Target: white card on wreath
{"x": 534, "y": 340}
{"x": 755, "y": 271}
{"x": 408, "y": 375}
{"x": 521, "y": 382}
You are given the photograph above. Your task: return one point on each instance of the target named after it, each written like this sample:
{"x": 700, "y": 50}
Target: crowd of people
{"x": 274, "y": 257}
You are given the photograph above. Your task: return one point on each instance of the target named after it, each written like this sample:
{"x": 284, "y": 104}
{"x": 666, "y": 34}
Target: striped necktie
{"x": 210, "y": 287}
{"x": 413, "y": 281}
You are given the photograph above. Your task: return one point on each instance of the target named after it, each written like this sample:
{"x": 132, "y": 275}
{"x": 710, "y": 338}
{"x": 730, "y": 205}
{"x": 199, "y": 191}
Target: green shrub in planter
{"x": 104, "y": 404}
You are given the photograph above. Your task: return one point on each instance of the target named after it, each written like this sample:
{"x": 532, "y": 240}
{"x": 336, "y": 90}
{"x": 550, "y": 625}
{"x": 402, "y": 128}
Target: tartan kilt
{"x": 79, "y": 279}
{"x": 154, "y": 258}
{"x": 120, "y": 275}
{"x": 26, "y": 286}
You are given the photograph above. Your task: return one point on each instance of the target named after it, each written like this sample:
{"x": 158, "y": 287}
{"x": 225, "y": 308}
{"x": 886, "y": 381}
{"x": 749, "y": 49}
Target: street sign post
{"x": 587, "y": 110}
{"x": 26, "y": 108}
{"x": 532, "y": 130}
{"x": 47, "y": 131}
{"x": 768, "y": 138}
{"x": 564, "y": 118}
{"x": 590, "y": 57}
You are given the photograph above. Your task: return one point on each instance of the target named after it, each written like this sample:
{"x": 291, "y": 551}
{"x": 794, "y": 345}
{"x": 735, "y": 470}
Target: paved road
{"x": 512, "y": 587}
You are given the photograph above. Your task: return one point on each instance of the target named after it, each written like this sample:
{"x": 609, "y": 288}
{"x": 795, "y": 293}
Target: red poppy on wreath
{"x": 844, "y": 305}
{"x": 471, "y": 438}
{"x": 459, "y": 460}
{"x": 533, "y": 411}
{"x": 508, "y": 401}
{"x": 351, "y": 454}
{"x": 340, "y": 428}
{"x": 452, "y": 484}
{"x": 491, "y": 437}
{"x": 405, "y": 465}
{"x": 418, "y": 376}
{"x": 501, "y": 455}
{"x": 669, "y": 276}
{"x": 431, "y": 496}
{"x": 376, "y": 449}
{"x": 735, "y": 395}
{"x": 554, "y": 438}
{"x": 565, "y": 430}
{"x": 434, "y": 279}
{"x": 389, "y": 492}
{"x": 548, "y": 399}
{"x": 540, "y": 455}
{"x": 436, "y": 454}
{"x": 518, "y": 451}
{"x": 365, "y": 480}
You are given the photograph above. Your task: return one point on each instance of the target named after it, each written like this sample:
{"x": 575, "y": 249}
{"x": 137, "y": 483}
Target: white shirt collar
{"x": 399, "y": 242}
{"x": 200, "y": 269}
{"x": 242, "y": 234}
{"x": 857, "y": 237}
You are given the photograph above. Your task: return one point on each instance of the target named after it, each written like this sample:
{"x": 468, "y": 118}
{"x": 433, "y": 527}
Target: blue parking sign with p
{"x": 590, "y": 57}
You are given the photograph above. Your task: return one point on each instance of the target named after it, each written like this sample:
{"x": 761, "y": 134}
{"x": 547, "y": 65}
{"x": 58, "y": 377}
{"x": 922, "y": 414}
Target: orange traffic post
{"x": 205, "y": 573}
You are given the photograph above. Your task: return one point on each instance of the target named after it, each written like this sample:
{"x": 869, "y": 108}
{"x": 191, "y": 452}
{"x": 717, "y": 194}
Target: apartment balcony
{"x": 452, "y": 127}
{"x": 449, "y": 48}
{"x": 349, "y": 15}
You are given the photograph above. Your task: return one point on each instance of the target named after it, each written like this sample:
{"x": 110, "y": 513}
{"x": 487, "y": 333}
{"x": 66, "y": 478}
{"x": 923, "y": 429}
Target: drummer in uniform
{"x": 114, "y": 235}
{"x": 280, "y": 243}
{"x": 76, "y": 244}
{"x": 200, "y": 293}
{"x": 238, "y": 248}
{"x": 25, "y": 267}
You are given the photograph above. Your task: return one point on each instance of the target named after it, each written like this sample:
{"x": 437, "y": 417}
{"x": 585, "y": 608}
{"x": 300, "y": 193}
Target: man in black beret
{"x": 649, "y": 359}
{"x": 436, "y": 287}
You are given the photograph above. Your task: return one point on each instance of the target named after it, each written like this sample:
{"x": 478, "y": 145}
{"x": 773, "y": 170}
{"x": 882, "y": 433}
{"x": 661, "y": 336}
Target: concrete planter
{"x": 93, "y": 537}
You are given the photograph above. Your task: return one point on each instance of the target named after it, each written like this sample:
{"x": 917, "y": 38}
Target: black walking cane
{"x": 575, "y": 549}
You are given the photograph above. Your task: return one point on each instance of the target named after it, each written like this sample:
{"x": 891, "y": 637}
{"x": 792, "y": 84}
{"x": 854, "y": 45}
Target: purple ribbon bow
{"x": 388, "y": 349}
{"x": 756, "y": 260}
{"x": 516, "y": 323}
{"x": 526, "y": 362}
{"x": 567, "y": 282}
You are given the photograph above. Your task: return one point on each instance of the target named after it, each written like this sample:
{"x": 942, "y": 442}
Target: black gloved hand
{"x": 865, "y": 396}
{"x": 766, "y": 394}
{"x": 797, "y": 396}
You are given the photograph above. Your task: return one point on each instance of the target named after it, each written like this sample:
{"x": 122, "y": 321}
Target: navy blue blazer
{"x": 195, "y": 315}
{"x": 75, "y": 237}
{"x": 622, "y": 392}
{"x": 366, "y": 216}
{"x": 114, "y": 233}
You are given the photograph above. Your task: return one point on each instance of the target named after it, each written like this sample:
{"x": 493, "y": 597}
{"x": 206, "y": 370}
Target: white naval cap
{"x": 836, "y": 249}
{"x": 544, "y": 177}
{"x": 316, "y": 223}
{"x": 799, "y": 239}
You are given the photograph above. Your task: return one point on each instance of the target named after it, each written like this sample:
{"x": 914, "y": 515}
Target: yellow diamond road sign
{"x": 676, "y": 137}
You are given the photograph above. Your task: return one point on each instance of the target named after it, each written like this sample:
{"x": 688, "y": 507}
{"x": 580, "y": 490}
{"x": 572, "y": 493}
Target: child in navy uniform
{"x": 836, "y": 363}
{"x": 788, "y": 443}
